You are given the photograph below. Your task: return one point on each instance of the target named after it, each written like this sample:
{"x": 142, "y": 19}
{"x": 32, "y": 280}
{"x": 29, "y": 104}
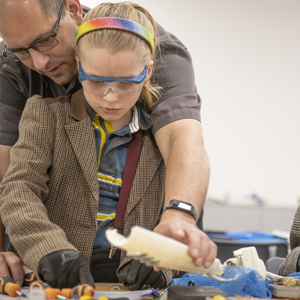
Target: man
{"x": 50, "y": 70}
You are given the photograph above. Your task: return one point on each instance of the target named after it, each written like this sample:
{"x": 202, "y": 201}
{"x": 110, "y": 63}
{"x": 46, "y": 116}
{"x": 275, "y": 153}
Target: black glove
{"x": 136, "y": 274}
{"x": 65, "y": 269}
{"x": 298, "y": 264}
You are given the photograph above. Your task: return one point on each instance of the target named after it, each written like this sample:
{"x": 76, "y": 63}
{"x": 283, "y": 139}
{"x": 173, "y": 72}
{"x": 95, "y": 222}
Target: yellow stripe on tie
{"x": 109, "y": 179}
{"x": 104, "y": 217}
{"x": 108, "y": 126}
{"x": 96, "y": 124}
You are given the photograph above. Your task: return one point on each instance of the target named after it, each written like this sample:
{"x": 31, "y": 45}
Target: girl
{"x": 88, "y": 161}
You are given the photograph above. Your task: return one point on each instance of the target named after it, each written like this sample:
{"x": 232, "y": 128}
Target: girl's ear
{"x": 150, "y": 70}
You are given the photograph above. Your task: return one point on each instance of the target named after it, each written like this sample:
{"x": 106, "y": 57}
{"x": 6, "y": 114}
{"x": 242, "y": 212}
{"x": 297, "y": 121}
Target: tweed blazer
{"x": 49, "y": 196}
{"x": 290, "y": 264}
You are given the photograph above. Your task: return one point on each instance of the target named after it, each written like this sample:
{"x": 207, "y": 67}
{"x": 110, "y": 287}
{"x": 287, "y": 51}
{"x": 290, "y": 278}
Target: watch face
{"x": 184, "y": 206}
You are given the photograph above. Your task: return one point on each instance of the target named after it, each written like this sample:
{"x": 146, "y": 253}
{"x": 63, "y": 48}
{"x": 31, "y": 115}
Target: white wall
{"x": 247, "y": 62}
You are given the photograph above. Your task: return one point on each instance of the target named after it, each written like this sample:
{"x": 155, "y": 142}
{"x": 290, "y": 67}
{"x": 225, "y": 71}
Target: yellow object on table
{"x": 218, "y": 297}
{"x": 85, "y": 297}
{"x": 287, "y": 281}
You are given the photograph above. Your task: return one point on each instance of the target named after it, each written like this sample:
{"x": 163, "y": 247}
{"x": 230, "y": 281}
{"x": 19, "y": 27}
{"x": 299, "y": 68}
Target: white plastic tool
{"x": 154, "y": 249}
{"x": 248, "y": 258}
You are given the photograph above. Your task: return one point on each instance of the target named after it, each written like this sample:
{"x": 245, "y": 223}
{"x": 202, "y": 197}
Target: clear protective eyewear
{"x": 119, "y": 86}
{"x": 40, "y": 46}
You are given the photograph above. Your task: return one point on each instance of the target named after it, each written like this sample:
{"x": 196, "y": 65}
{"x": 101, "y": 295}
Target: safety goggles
{"x": 119, "y": 86}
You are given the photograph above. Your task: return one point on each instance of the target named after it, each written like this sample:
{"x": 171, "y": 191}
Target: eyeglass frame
{"x": 137, "y": 80}
{"x": 32, "y": 46}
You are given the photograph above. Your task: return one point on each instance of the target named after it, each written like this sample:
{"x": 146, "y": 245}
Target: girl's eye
{"x": 125, "y": 84}
{"x": 98, "y": 82}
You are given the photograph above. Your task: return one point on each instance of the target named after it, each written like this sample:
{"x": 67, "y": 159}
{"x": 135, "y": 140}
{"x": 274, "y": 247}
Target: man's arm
{"x": 187, "y": 177}
{"x": 4, "y": 162}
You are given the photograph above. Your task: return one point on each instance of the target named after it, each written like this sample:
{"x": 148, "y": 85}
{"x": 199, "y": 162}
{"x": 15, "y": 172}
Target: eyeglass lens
{"x": 41, "y": 46}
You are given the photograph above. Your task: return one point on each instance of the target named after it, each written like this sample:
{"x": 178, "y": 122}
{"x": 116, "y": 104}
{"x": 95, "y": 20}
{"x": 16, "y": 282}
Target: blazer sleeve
{"x": 24, "y": 187}
{"x": 290, "y": 264}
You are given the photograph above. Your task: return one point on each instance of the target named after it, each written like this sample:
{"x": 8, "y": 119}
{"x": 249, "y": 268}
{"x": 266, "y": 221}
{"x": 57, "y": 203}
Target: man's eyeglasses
{"x": 41, "y": 46}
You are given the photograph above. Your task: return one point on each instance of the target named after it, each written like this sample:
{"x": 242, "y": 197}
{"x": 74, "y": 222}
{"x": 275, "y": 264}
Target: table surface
{"x": 107, "y": 287}
{"x": 99, "y": 287}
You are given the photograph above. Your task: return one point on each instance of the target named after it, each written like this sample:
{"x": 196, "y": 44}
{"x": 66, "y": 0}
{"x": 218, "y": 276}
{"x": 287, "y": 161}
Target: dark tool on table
{"x": 8, "y": 287}
{"x": 50, "y": 293}
{"x": 28, "y": 278}
{"x": 78, "y": 291}
{"x": 193, "y": 292}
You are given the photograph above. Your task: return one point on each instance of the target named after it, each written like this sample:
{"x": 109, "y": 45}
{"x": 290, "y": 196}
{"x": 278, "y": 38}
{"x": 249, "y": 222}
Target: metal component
{"x": 239, "y": 261}
{"x": 115, "y": 287}
{"x": 20, "y": 294}
{"x": 112, "y": 251}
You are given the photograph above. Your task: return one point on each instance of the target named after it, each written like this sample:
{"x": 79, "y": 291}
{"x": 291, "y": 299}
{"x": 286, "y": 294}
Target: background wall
{"x": 247, "y": 63}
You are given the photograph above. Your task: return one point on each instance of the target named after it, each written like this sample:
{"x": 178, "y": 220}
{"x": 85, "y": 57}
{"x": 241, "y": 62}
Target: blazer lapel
{"x": 81, "y": 136}
{"x": 82, "y": 139}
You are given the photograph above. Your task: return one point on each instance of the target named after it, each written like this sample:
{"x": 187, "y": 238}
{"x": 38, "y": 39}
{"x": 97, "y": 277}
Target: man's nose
{"x": 39, "y": 59}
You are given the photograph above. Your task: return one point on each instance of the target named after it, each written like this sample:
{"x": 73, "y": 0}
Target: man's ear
{"x": 150, "y": 70}
{"x": 75, "y": 9}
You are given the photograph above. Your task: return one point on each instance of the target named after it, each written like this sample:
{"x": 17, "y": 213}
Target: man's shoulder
{"x": 164, "y": 37}
{"x": 58, "y": 100}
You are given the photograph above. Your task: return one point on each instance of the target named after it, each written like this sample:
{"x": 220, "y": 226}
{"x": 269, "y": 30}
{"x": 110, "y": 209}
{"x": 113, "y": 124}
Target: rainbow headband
{"x": 118, "y": 24}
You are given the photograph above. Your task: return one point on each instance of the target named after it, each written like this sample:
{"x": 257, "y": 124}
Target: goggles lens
{"x": 96, "y": 85}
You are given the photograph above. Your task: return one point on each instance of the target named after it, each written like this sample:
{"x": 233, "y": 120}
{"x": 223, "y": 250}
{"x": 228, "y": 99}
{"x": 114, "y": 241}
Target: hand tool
{"x": 8, "y": 287}
{"x": 50, "y": 293}
{"x": 28, "y": 278}
{"x": 78, "y": 291}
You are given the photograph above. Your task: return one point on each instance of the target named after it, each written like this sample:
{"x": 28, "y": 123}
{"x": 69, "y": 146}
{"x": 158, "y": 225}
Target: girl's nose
{"x": 109, "y": 96}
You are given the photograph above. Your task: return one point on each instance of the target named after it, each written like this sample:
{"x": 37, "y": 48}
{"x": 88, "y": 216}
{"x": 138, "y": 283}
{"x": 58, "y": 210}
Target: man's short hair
{"x": 51, "y": 7}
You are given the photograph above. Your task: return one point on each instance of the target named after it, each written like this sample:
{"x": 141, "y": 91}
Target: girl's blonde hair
{"x": 117, "y": 40}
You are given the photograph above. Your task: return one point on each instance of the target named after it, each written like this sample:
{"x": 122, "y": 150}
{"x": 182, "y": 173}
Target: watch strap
{"x": 182, "y": 206}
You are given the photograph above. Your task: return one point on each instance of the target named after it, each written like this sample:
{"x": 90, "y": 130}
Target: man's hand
{"x": 136, "y": 274}
{"x": 11, "y": 265}
{"x": 181, "y": 227}
{"x": 65, "y": 269}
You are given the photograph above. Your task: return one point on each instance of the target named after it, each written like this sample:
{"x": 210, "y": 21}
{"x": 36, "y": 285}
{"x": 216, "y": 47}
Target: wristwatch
{"x": 182, "y": 206}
